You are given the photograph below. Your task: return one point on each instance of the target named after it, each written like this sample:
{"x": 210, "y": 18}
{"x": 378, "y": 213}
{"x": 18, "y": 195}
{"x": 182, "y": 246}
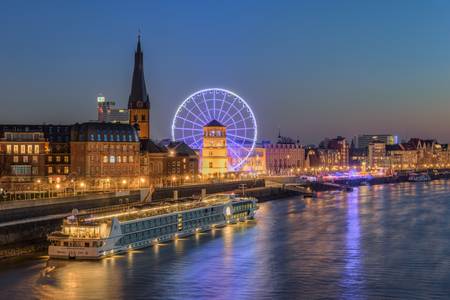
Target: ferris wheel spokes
{"x": 228, "y": 109}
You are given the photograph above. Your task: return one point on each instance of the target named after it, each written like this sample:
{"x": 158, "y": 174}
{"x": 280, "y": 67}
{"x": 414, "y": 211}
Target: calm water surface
{"x": 390, "y": 241}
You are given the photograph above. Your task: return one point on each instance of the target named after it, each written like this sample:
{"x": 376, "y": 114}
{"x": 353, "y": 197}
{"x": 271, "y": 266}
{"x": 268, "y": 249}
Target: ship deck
{"x": 156, "y": 209}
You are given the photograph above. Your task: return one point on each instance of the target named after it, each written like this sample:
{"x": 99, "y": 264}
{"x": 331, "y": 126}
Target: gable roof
{"x": 151, "y": 147}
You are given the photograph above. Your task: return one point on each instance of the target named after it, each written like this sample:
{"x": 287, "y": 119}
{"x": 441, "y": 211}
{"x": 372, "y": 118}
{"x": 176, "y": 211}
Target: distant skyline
{"x": 315, "y": 69}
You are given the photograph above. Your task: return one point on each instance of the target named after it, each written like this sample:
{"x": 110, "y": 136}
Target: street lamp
{"x": 82, "y": 185}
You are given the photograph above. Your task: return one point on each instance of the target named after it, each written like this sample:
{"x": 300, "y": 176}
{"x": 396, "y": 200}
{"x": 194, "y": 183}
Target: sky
{"x": 314, "y": 69}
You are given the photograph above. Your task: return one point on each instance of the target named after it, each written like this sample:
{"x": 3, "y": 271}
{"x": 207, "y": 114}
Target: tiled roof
{"x": 214, "y": 123}
{"x": 151, "y": 147}
{"x": 103, "y": 132}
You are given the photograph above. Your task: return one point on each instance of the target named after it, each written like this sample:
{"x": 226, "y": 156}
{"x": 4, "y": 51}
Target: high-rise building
{"x": 363, "y": 140}
{"x": 214, "y": 152}
{"x": 107, "y": 113}
{"x": 138, "y": 102}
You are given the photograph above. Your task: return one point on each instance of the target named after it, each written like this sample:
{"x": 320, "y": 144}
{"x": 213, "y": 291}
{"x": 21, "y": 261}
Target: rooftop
{"x": 214, "y": 123}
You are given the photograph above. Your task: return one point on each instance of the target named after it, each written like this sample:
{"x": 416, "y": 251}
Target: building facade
{"x": 402, "y": 156}
{"x": 182, "y": 163}
{"x": 214, "y": 151}
{"x": 377, "y": 155}
{"x": 285, "y": 157}
{"x": 105, "y": 154}
{"x": 58, "y": 158}
{"x": 256, "y": 162}
{"x": 340, "y": 145}
{"x": 23, "y": 152}
{"x": 153, "y": 163}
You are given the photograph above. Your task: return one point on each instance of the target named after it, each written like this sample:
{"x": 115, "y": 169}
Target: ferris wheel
{"x": 224, "y": 106}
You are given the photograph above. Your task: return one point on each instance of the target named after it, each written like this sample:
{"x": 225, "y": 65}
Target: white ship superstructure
{"x": 101, "y": 235}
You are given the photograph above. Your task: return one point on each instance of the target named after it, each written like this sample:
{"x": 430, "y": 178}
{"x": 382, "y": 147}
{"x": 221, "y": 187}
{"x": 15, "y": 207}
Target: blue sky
{"x": 313, "y": 68}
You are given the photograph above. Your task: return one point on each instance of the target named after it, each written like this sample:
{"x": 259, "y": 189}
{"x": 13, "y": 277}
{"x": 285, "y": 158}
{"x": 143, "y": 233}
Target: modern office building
{"x": 363, "y": 140}
{"x": 108, "y": 113}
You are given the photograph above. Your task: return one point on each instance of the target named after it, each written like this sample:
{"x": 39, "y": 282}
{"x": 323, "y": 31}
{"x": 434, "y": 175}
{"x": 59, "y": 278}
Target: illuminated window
{"x": 30, "y": 149}
{"x": 112, "y": 159}
{"x": 58, "y": 158}
{"x": 66, "y": 170}
{"x": 22, "y": 149}
{"x": 50, "y": 159}
{"x": 25, "y": 159}
{"x": 66, "y": 159}
{"x": 21, "y": 170}
{"x": 124, "y": 159}
{"x": 119, "y": 158}
{"x": 105, "y": 159}
{"x": 35, "y": 158}
{"x": 8, "y": 149}
{"x": 130, "y": 159}
{"x": 50, "y": 170}
{"x": 16, "y": 159}
{"x": 16, "y": 149}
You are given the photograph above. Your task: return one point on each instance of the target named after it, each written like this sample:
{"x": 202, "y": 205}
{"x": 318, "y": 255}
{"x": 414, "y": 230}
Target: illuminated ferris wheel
{"x": 224, "y": 106}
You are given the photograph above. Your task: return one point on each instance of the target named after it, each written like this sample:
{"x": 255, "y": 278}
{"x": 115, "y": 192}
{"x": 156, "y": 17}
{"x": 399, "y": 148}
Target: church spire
{"x": 138, "y": 96}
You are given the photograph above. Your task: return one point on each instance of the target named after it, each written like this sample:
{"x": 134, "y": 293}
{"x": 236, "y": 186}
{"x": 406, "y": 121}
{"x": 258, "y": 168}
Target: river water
{"x": 386, "y": 241}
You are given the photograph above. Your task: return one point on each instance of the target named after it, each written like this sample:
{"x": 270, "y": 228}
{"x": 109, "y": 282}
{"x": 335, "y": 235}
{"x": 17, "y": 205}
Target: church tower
{"x": 138, "y": 102}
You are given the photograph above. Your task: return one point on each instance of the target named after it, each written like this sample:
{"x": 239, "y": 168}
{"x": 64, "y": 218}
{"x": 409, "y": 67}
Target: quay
{"x": 20, "y": 236}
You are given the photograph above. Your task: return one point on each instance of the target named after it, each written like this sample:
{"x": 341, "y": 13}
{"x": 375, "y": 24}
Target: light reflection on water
{"x": 375, "y": 242}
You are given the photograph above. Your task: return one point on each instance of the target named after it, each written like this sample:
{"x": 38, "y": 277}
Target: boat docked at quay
{"x": 112, "y": 232}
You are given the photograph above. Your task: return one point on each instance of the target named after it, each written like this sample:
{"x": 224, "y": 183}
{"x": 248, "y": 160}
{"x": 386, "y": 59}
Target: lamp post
{"x": 82, "y": 185}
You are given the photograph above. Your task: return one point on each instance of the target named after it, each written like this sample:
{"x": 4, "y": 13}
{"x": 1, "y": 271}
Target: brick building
{"x": 105, "y": 154}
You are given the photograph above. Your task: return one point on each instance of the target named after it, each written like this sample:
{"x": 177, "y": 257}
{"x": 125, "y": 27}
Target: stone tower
{"x": 214, "y": 152}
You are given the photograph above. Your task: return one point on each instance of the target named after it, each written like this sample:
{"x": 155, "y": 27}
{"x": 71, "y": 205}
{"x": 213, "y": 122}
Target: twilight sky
{"x": 314, "y": 68}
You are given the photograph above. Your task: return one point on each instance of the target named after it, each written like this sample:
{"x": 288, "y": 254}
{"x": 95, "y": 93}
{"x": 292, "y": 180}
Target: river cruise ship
{"x": 108, "y": 233}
